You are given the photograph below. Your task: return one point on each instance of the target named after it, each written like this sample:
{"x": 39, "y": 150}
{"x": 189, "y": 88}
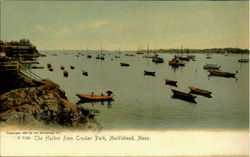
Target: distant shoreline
{"x": 179, "y": 51}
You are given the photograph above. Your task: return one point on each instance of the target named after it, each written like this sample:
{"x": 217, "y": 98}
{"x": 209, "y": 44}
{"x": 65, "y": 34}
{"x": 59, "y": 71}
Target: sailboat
{"x": 242, "y": 60}
{"x": 226, "y": 53}
{"x": 88, "y": 56}
{"x": 139, "y": 51}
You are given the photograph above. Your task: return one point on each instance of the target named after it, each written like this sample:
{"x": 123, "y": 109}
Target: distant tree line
{"x": 211, "y": 50}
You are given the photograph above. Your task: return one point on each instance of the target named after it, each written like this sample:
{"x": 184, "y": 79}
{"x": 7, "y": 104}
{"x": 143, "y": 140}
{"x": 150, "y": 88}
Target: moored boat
{"x": 72, "y": 67}
{"x": 182, "y": 58}
{"x": 62, "y": 67}
{"x": 171, "y": 82}
{"x": 151, "y": 73}
{"x": 89, "y": 56}
{"x": 191, "y": 56}
{"x": 49, "y": 65}
{"x": 129, "y": 55}
{"x": 220, "y": 73}
{"x": 243, "y": 60}
{"x": 200, "y": 91}
{"x": 211, "y": 66}
{"x": 50, "y": 69}
{"x": 175, "y": 62}
{"x": 85, "y": 73}
{"x": 157, "y": 60}
{"x": 92, "y": 97}
{"x": 124, "y": 64}
{"x": 65, "y": 73}
{"x": 184, "y": 96}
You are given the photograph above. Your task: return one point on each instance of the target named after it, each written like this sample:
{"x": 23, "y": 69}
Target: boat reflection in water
{"x": 103, "y": 102}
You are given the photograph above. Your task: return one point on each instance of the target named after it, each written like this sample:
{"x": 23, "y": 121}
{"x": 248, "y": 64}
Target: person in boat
{"x": 109, "y": 92}
{"x": 92, "y": 93}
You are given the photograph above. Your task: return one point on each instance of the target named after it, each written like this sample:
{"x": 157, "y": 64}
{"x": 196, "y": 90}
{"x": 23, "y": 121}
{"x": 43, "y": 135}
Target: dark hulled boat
{"x": 175, "y": 63}
{"x": 65, "y": 73}
{"x": 222, "y": 74}
{"x": 211, "y": 66}
{"x": 157, "y": 60}
{"x": 200, "y": 91}
{"x": 183, "y": 58}
{"x": 151, "y": 73}
{"x": 129, "y": 55}
{"x": 124, "y": 64}
{"x": 183, "y": 96}
{"x": 243, "y": 60}
{"x": 171, "y": 82}
{"x": 51, "y": 69}
{"x": 62, "y": 67}
{"x": 49, "y": 65}
{"x": 85, "y": 73}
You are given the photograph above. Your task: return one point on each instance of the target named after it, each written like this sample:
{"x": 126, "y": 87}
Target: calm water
{"x": 145, "y": 102}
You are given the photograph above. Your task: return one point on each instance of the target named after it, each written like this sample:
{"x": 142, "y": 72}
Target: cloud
{"x": 39, "y": 28}
{"x": 94, "y": 24}
{"x": 63, "y": 31}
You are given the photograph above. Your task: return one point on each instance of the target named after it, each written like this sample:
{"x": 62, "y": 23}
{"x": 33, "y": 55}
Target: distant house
{"x": 18, "y": 48}
{"x": 2, "y": 54}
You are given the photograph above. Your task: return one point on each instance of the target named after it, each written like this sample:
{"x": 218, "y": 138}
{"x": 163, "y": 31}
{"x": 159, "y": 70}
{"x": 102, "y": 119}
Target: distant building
{"x": 2, "y": 54}
{"x": 21, "y": 48}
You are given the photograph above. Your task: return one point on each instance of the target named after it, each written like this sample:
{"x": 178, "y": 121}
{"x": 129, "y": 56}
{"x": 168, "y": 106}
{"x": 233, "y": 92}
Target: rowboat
{"x": 151, "y": 73}
{"x": 89, "y": 56}
{"x": 50, "y": 69}
{"x": 183, "y": 96}
{"x": 91, "y": 97}
{"x": 85, "y": 73}
{"x": 65, "y": 73}
{"x": 183, "y": 58}
{"x": 220, "y": 73}
{"x": 175, "y": 62}
{"x": 211, "y": 66}
{"x": 72, "y": 67}
{"x": 170, "y": 82}
{"x": 157, "y": 60}
{"x": 62, "y": 67}
{"x": 124, "y": 64}
{"x": 129, "y": 55}
{"x": 243, "y": 60}
{"x": 200, "y": 91}
{"x": 49, "y": 65}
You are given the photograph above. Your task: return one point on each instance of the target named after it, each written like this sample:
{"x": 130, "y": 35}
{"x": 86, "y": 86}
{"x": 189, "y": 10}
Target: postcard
{"x": 124, "y": 78}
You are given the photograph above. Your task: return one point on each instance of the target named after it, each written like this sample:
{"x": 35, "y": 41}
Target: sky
{"x": 126, "y": 25}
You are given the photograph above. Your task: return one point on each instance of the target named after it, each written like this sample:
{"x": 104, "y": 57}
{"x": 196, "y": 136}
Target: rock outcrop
{"x": 45, "y": 103}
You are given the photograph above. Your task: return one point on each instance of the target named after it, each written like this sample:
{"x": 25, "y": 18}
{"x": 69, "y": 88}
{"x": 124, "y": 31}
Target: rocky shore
{"x": 41, "y": 104}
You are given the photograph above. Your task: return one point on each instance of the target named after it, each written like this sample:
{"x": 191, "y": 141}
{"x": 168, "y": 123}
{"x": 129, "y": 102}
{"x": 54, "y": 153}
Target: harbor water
{"x": 144, "y": 102}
